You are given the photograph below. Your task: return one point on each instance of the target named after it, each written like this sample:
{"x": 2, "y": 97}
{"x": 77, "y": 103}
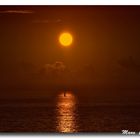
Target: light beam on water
{"x": 66, "y": 106}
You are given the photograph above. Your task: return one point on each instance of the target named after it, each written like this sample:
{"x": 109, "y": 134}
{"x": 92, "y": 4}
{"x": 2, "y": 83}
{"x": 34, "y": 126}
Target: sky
{"x": 104, "y": 52}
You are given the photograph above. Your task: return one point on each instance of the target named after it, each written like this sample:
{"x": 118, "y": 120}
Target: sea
{"x": 70, "y": 112}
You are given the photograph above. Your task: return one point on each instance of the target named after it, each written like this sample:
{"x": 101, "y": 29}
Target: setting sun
{"x": 65, "y": 39}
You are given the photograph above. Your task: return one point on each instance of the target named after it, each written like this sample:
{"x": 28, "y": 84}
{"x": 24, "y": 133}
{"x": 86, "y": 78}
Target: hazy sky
{"x": 105, "y": 49}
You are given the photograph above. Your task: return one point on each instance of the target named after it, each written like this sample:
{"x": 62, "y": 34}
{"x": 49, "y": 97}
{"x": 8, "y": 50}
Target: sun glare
{"x": 65, "y": 39}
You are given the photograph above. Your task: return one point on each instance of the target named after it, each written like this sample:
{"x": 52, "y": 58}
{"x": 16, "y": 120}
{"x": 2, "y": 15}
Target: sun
{"x": 65, "y": 39}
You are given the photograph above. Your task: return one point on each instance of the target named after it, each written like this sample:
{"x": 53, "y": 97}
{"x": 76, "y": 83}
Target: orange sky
{"x": 105, "y": 48}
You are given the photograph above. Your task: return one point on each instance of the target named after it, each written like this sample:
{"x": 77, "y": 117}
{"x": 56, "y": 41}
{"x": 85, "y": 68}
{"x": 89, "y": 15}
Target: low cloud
{"x": 130, "y": 64}
{"x": 54, "y": 69}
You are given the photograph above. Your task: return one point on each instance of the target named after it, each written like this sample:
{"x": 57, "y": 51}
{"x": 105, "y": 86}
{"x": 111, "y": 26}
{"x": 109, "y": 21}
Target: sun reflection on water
{"x": 66, "y": 105}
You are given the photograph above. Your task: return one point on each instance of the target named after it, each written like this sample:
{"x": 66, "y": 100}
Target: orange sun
{"x": 65, "y": 39}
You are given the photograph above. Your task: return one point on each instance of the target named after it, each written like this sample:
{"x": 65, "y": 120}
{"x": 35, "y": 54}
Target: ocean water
{"x": 68, "y": 113}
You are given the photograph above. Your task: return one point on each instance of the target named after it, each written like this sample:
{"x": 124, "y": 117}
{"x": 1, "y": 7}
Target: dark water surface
{"x": 67, "y": 113}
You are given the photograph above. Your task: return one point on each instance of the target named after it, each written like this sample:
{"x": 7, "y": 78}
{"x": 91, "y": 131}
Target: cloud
{"x": 48, "y": 21}
{"x": 54, "y": 69}
{"x": 17, "y": 12}
{"x": 130, "y": 64}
